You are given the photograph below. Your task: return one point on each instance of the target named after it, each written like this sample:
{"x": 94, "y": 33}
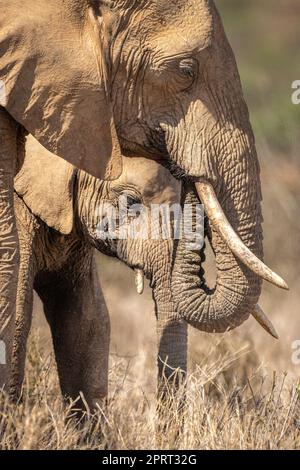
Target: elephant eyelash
{"x": 132, "y": 198}
{"x": 95, "y": 5}
{"x": 189, "y": 68}
{"x": 188, "y": 71}
{"x": 184, "y": 71}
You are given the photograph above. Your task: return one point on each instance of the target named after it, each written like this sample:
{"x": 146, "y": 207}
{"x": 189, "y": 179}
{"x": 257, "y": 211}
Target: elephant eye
{"x": 133, "y": 205}
{"x": 95, "y": 4}
{"x": 131, "y": 201}
{"x": 188, "y": 68}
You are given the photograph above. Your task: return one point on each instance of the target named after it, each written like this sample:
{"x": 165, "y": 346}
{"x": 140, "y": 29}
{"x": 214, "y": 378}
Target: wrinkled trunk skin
{"x": 172, "y": 366}
{"x": 171, "y": 329}
{"x": 172, "y": 343}
{"x": 237, "y": 289}
{"x": 8, "y": 245}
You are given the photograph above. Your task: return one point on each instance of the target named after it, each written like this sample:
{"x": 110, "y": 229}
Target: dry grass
{"x": 221, "y": 412}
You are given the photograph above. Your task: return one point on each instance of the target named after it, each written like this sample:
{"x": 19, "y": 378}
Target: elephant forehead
{"x": 150, "y": 178}
{"x": 184, "y": 25}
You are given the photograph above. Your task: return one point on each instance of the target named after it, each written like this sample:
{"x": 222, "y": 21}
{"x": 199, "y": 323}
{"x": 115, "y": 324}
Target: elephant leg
{"x": 24, "y": 303}
{"x": 9, "y": 246}
{"x": 76, "y": 312}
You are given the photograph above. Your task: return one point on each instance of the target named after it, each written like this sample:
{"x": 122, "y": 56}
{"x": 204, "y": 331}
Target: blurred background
{"x": 265, "y": 36}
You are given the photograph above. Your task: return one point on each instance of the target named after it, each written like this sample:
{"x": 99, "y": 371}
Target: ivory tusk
{"x": 139, "y": 281}
{"x": 263, "y": 320}
{"x": 221, "y": 224}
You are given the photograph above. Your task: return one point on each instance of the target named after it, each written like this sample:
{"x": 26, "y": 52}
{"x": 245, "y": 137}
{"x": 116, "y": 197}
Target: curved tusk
{"x": 139, "y": 281}
{"x": 220, "y": 222}
{"x": 263, "y": 320}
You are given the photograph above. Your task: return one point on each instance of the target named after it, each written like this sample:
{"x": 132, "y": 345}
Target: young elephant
{"x": 58, "y": 219}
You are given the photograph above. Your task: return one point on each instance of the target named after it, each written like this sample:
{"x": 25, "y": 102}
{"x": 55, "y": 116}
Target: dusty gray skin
{"x": 57, "y": 216}
{"x": 167, "y": 87}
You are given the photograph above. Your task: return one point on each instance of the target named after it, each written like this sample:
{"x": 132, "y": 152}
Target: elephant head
{"x": 176, "y": 95}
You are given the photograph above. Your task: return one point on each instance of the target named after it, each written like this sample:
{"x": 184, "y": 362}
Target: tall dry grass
{"x": 243, "y": 387}
{"x": 221, "y": 411}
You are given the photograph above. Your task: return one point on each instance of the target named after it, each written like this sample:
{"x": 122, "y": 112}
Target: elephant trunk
{"x": 172, "y": 345}
{"x": 171, "y": 331}
{"x": 226, "y": 306}
{"x": 238, "y": 283}
{"x": 172, "y": 340}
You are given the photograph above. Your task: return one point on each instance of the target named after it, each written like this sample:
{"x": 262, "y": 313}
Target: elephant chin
{"x": 240, "y": 270}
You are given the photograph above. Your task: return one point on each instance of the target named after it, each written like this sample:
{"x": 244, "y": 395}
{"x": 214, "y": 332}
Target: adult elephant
{"x": 176, "y": 94}
{"x": 53, "y": 84}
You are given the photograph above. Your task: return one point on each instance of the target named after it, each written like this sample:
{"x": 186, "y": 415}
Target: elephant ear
{"x": 53, "y": 80}
{"x": 45, "y": 183}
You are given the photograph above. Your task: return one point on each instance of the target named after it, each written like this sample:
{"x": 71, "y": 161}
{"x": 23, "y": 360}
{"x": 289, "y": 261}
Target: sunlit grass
{"x": 218, "y": 413}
